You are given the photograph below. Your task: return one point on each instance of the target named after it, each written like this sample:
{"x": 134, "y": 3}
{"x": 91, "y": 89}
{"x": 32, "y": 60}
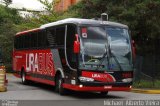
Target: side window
{"x": 25, "y": 41}
{"x": 51, "y": 37}
{"x": 45, "y": 40}
{"x": 15, "y": 42}
{"x": 60, "y": 34}
{"x": 20, "y": 42}
{"x": 34, "y": 39}
{"x": 42, "y": 39}
{"x": 28, "y": 40}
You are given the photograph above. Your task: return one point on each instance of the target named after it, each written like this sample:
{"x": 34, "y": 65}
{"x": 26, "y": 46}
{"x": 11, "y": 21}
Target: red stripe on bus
{"x": 24, "y": 32}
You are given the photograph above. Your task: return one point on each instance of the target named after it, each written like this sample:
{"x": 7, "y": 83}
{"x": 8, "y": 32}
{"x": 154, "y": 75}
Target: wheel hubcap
{"x": 23, "y": 77}
{"x": 59, "y": 85}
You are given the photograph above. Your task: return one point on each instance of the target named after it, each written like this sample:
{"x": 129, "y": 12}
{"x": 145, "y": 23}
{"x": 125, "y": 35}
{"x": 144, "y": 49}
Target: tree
{"x": 142, "y": 16}
{"x": 48, "y": 5}
{"x": 9, "y": 19}
{"x": 7, "y": 2}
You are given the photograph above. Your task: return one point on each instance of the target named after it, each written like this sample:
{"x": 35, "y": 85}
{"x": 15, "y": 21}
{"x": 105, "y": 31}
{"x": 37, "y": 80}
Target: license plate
{"x": 107, "y": 87}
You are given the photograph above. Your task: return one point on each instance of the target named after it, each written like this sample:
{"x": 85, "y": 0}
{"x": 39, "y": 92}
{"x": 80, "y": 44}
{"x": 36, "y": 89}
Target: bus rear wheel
{"x": 23, "y": 77}
{"x": 59, "y": 83}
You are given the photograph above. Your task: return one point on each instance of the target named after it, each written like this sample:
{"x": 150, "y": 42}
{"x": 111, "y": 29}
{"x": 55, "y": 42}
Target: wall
{"x": 63, "y": 5}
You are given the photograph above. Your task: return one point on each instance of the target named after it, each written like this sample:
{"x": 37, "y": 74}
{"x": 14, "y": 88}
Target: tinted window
{"x": 51, "y": 37}
{"x": 15, "y": 43}
{"x": 42, "y": 39}
{"x": 34, "y": 40}
{"x": 28, "y": 41}
{"x": 60, "y": 34}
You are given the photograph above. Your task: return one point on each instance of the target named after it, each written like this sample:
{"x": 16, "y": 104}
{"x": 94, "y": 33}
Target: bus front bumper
{"x": 96, "y": 88}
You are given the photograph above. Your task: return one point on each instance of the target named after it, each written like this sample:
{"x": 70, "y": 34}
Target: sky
{"x": 29, "y": 4}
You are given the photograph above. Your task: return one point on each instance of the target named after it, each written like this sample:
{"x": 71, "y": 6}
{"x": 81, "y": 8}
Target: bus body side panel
{"x": 38, "y": 65}
{"x": 18, "y": 62}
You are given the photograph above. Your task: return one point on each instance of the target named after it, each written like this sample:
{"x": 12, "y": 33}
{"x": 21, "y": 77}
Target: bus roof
{"x": 76, "y": 21}
{"x": 79, "y": 21}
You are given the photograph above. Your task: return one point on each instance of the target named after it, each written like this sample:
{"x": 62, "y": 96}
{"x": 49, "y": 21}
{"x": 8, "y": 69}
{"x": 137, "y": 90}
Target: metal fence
{"x": 147, "y": 68}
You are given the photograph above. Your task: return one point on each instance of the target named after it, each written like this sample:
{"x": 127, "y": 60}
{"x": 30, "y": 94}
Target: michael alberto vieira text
{"x": 132, "y": 102}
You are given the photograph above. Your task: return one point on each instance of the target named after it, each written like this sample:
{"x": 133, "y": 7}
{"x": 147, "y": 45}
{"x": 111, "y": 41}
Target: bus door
{"x": 70, "y": 56}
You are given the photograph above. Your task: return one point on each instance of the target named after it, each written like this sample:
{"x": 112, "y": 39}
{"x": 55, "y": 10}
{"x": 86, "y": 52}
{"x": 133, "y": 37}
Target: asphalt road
{"x": 41, "y": 93}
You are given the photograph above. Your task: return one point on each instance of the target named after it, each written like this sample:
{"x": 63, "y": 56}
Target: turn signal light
{"x": 127, "y": 75}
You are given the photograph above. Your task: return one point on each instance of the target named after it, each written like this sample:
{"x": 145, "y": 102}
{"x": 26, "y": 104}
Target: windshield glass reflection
{"x": 96, "y": 41}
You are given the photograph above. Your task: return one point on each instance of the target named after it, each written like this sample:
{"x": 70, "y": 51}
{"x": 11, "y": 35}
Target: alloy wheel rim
{"x": 59, "y": 85}
{"x": 23, "y": 77}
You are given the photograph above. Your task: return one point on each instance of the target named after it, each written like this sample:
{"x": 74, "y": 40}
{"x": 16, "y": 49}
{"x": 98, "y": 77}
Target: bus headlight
{"x": 86, "y": 79}
{"x": 127, "y": 80}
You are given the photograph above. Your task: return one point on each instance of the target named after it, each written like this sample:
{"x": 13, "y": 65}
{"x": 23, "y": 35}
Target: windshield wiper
{"x": 109, "y": 54}
{"x": 102, "y": 59}
{"x": 116, "y": 60}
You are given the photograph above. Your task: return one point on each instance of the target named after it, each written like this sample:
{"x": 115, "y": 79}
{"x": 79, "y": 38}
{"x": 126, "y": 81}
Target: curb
{"x": 146, "y": 91}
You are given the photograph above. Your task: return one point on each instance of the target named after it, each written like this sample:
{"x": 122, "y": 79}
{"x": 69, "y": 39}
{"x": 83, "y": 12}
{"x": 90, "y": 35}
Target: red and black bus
{"x": 76, "y": 54}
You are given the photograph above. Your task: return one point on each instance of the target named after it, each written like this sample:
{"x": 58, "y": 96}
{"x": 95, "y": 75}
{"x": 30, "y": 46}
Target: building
{"x": 63, "y": 5}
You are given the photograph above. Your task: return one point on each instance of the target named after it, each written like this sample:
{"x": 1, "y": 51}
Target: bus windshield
{"x": 105, "y": 48}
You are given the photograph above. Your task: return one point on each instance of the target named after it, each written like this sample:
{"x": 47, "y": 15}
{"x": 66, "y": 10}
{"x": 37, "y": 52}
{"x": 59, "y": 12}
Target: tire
{"x": 23, "y": 78}
{"x": 104, "y": 93}
{"x": 59, "y": 88}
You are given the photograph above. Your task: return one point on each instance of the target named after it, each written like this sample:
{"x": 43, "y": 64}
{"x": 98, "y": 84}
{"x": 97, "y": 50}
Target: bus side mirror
{"x": 76, "y": 45}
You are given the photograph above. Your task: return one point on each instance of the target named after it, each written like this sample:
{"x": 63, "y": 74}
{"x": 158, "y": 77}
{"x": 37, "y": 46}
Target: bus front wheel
{"x": 59, "y": 82}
